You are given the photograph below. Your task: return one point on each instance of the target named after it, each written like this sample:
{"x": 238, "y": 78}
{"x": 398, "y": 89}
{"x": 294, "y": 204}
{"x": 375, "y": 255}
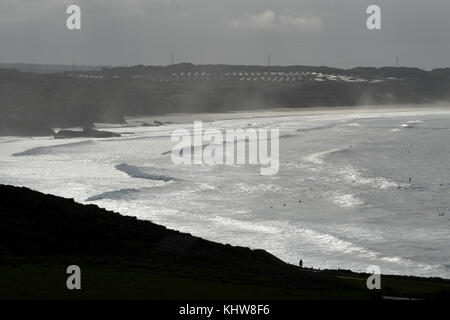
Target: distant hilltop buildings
{"x": 189, "y": 72}
{"x": 36, "y": 102}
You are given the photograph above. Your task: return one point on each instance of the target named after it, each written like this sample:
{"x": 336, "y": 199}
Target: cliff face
{"x": 107, "y": 95}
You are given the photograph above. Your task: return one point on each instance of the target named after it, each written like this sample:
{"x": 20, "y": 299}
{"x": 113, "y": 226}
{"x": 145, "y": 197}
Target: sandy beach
{"x": 285, "y": 112}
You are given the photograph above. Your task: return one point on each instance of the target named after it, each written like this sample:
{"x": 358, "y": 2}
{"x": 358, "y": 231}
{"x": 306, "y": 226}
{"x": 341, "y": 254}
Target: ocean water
{"x": 353, "y": 189}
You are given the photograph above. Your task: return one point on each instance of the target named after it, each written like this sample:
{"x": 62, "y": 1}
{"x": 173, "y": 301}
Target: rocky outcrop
{"x": 156, "y": 123}
{"x": 86, "y": 133}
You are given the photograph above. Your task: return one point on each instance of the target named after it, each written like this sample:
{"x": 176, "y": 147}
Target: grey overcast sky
{"x": 306, "y": 32}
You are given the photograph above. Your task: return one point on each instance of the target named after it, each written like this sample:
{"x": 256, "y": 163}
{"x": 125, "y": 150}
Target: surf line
{"x": 214, "y": 147}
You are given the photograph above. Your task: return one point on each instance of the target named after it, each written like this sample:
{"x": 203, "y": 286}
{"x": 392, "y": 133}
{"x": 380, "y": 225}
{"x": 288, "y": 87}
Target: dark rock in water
{"x": 24, "y": 128}
{"x": 156, "y": 123}
{"x": 86, "y": 133}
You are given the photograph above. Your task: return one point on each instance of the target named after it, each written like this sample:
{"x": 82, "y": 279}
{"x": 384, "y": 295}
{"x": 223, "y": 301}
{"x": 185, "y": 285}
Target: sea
{"x": 355, "y": 187}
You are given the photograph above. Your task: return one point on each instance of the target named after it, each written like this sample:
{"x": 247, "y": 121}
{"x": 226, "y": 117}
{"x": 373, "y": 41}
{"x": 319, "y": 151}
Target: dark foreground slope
{"x": 122, "y": 257}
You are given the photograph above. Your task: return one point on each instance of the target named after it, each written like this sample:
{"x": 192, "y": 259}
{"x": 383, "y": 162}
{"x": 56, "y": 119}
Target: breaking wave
{"x": 354, "y": 176}
{"x": 318, "y": 158}
{"x": 116, "y": 194}
{"x": 143, "y": 173}
{"x": 348, "y": 201}
{"x": 51, "y": 149}
{"x": 349, "y": 173}
{"x": 325, "y": 241}
{"x": 328, "y": 126}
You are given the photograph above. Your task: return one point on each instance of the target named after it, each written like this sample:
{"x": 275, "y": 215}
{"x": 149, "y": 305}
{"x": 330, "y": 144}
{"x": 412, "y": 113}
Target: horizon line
{"x": 215, "y": 64}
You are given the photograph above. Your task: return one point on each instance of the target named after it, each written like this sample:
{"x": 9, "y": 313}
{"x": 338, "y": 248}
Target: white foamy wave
{"x": 353, "y": 124}
{"x": 245, "y": 225}
{"x": 306, "y": 236}
{"x": 142, "y": 173}
{"x": 206, "y": 187}
{"x": 353, "y": 176}
{"x": 128, "y": 193}
{"x": 329, "y": 242}
{"x": 411, "y": 124}
{"x": 348, "y": 201}
{"x": 318, "y": 158}
{"x": 325, "y": 241}
{"x": 322, "y": 127}
{"x": 243, "y": 188}
{"x": 349, "y": 173}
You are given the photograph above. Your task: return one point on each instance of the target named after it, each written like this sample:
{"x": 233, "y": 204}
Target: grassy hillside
{"x": 125, "y": 258}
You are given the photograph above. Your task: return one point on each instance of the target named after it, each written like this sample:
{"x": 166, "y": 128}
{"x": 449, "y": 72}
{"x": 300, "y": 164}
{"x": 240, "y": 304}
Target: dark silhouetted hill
{"x": 123, "y": 257}
{"x": 81, "y": 98}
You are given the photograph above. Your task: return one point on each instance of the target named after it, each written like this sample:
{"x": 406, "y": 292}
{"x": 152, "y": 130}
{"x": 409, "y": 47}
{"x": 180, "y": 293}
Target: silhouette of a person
{"x": 300, "y": 263}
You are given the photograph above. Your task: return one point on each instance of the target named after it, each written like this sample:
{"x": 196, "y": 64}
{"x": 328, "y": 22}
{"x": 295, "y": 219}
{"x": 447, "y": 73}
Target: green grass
{"x": 125, "y": 258}
{"x": 102, "y": 282}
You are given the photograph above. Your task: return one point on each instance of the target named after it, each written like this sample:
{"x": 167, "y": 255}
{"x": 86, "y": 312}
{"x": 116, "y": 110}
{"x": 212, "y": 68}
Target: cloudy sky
{"x": 306, "y": 32}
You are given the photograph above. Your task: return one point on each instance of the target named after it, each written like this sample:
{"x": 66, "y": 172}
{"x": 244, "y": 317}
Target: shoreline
{"x": 319, "y": 111}
{"x": 181, "y": 118}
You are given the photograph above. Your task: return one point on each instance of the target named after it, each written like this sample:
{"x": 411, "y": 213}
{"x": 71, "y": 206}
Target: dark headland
{"x": 125, "y": 258}
{"x": 31, "y": 103}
